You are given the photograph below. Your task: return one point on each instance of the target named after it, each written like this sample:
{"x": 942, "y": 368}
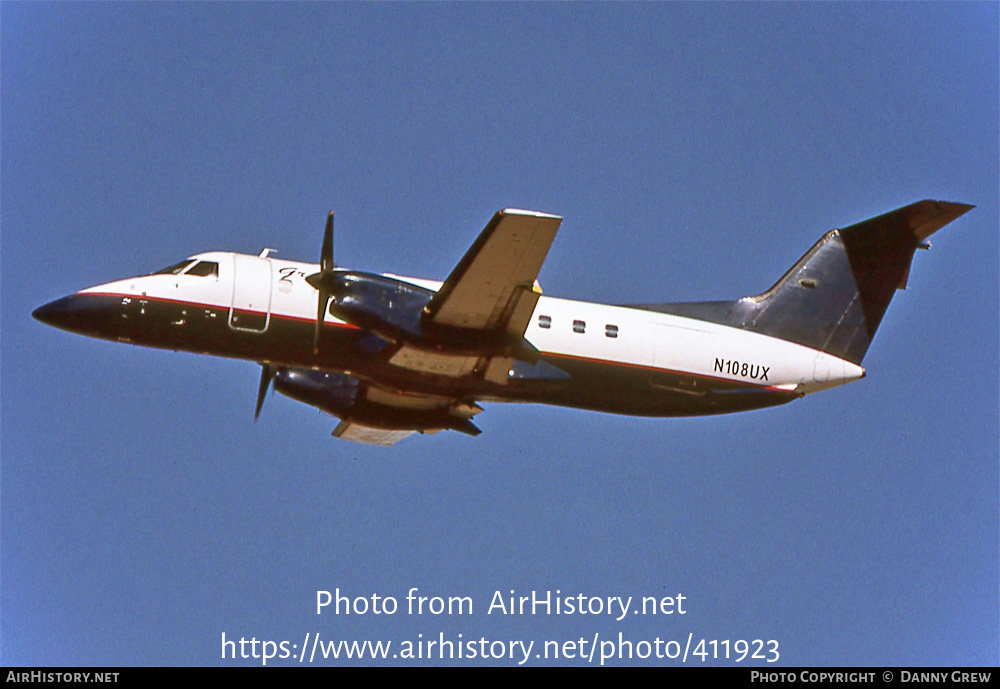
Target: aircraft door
{"x": 251, "y": 306}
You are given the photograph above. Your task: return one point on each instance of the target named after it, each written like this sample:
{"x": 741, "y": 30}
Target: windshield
{"x": 175, "y": 269}
{"x": 204, "y": 269}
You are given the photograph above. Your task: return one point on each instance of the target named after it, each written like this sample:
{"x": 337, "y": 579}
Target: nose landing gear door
{"x": 251, "y": 306}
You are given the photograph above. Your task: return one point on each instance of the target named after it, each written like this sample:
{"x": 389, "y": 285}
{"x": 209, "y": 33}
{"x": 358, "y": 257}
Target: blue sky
{"x": 695, "y": 151}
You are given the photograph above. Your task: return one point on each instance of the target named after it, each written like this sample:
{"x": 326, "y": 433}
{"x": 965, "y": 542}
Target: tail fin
{"x": 834, "y": 297}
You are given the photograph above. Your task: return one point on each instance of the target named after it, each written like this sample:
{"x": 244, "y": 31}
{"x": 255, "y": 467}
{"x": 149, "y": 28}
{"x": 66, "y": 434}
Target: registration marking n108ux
{"x": 741, "y": 368}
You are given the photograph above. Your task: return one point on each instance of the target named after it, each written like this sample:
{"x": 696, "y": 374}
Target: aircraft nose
{"x": 58, "y": 313}
{"x": 85, "y": 314}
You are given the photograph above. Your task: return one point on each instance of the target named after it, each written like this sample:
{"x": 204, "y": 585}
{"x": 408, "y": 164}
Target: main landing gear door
{"x": 251, "y": 306}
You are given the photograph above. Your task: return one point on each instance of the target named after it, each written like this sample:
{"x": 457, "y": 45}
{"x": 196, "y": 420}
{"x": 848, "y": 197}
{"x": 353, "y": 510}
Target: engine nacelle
{"x": 347, "y": 398}
{"x": 394, "y": 309}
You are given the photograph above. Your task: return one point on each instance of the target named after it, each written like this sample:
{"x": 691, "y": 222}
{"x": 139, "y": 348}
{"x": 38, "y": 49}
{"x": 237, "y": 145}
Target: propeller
{"x": 266, "y": 376}
{"x": 322, "y": 279}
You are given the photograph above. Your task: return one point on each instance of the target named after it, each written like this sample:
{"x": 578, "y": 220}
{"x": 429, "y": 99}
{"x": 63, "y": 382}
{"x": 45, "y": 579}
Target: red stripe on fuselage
{"x": 203, "y": 305}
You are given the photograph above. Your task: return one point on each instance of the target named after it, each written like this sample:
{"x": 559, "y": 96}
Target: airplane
{"x": 390, "y": 356}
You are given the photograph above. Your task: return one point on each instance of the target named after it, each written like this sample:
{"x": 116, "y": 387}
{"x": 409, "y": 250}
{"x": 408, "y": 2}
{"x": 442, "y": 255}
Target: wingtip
{"x": 951, "y": 208}
{"x": 954, "y": 206}
{"x": 522, "y": 211}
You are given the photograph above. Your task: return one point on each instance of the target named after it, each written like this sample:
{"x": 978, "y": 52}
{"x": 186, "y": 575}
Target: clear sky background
{"x": 695, "y": 151}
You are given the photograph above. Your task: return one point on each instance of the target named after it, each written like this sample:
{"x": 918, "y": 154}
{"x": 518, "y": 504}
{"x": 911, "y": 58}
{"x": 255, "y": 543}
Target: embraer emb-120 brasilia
{"x": 390, "y": 355}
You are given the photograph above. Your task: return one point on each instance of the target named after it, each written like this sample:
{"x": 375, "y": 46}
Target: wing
{"x": 369, "y": 435}
{"x": 372, "y": 414}
{"x": 493, "y": 291}
{"x": 493, "y": 287}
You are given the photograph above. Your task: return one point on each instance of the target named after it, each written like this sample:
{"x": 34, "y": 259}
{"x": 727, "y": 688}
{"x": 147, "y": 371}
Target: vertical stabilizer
{"x": 834, "y": 297}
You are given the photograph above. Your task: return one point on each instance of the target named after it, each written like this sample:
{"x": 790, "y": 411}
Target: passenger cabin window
{"x": 544, "y": 321}
{"x": 205, "y": 269}
{"x": 579, "y": 326}
{"x": 611, "y": 330}
{"x": 175, "y": 269}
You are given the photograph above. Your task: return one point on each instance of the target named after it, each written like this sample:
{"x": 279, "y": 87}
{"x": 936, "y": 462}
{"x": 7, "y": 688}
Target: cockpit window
{"x": 175, "y": 269}
{"x": 204, "y": 269}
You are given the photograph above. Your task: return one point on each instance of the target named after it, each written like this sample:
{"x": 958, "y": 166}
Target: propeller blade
{"x": 322, "y": 279}
{"x": 326, "y": 254}
{"x": 322, "y": 301}
{"x": 266, "y": 374}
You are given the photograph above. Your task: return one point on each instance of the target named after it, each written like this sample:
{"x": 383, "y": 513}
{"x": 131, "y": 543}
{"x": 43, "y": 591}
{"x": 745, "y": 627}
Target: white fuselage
{"x": 560, "y": 328}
